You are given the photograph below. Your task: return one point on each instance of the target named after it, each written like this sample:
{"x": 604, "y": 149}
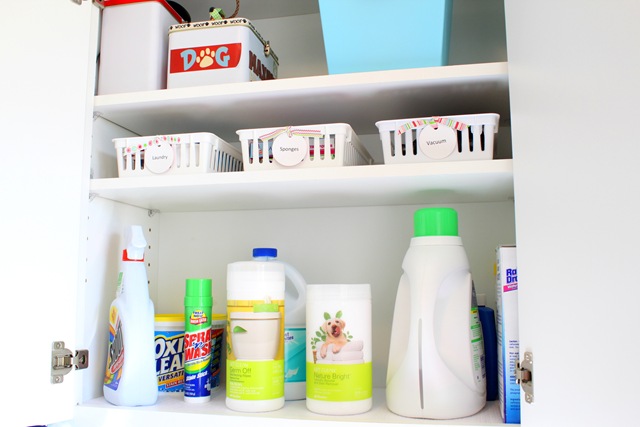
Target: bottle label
{"x": 169, "y": 360}
{"x": 115, "y": 357}
{"x": 197, "y": 352}
{"x": 255, "y": 349}
{"x": 217, "y": 335}
{"x": 338, "y": 355}
{"x": 339, "y": 383}
{"x": 295, "y": 364}
{"x": 120, "y": 284}
{"x": 477, "y": 347}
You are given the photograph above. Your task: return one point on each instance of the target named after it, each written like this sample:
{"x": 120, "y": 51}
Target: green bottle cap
{"x": 265, "y": 308}
{"x": 435, "y": 222}
{"x": 198, "y": 293}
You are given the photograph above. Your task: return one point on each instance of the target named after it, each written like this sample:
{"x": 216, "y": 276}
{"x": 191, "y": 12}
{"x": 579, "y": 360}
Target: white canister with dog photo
{"x": 339, "y": 368}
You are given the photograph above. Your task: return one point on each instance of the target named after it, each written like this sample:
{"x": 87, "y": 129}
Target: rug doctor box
{"x": 507, "y": 332}
{"x": 133, "y": 45}
{"x": 215, "y": 52}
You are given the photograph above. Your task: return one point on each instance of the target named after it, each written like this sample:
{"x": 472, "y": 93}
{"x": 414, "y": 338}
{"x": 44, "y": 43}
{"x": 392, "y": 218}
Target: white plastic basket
{"x": 307, "y": 146}
{"x": 187, "y": 153}
{"x": 434, "y": 139}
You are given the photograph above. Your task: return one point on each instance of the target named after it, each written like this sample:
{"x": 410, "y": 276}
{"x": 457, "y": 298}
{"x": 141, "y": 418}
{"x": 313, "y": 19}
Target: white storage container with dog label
{"x": 255, "y": 336}
{"x": 217, "y": 52}
{"x": 339, "y": 369}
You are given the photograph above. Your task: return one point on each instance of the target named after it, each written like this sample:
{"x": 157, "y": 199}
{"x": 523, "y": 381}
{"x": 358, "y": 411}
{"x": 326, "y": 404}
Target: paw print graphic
{"x": 205, "y": 58}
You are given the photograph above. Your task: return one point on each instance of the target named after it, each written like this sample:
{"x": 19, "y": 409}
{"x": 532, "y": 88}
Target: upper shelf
{"x": 359, "y": 99}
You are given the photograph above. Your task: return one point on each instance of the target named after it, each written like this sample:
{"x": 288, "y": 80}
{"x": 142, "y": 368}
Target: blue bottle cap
{"x": 265, "y": 252}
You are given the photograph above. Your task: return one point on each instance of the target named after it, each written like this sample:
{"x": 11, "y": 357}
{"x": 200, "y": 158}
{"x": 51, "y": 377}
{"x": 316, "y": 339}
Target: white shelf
{"x": 359, "y": 99}
{"x": 446, "y": 182}
{"x": 172, "y": 410}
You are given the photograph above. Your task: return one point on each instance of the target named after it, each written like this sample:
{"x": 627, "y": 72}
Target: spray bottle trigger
{"x": 135, "y": 242}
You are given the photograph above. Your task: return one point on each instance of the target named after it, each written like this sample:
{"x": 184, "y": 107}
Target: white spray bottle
{"x": 130, "y": 376}
{"x": 436, "y": 367}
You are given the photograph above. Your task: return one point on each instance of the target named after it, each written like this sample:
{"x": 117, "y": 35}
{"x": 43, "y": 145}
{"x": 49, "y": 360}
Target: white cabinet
{"x": 577, "y": 183}
{"x": 349, "y": 225}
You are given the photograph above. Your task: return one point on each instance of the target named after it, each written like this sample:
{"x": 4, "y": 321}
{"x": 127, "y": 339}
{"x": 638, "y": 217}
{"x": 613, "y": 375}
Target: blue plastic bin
{"x": 375, "y": 35}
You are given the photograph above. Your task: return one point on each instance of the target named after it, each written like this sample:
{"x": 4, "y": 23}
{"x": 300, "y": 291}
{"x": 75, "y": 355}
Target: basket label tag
{"x": 437, "y": 142}
{"x": 289, "y": 149}
{"x": 159, "y": 157}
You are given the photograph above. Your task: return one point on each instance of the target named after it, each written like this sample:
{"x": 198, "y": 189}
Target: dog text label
{"x": 205, "y": 58}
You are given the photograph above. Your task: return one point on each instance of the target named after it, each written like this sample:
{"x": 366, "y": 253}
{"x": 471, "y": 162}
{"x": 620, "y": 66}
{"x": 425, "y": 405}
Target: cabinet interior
{"x": 331, "y": 237}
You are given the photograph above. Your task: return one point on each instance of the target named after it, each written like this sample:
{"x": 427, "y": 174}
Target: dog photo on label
{"x": 337, "y": 343}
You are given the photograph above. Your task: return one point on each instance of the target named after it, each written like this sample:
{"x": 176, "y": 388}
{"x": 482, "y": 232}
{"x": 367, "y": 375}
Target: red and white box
{"x": 216, "y": 52}
{"x": 133, "y": 45}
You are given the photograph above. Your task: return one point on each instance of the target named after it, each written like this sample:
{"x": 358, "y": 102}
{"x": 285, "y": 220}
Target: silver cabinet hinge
{"x": 524, "y": 376}
{"x": 63, "y": 361}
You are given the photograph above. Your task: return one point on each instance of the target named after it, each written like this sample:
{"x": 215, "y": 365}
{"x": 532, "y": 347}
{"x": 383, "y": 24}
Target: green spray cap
{"x": 198, "y": 293}
{"x": 435, "y": 222}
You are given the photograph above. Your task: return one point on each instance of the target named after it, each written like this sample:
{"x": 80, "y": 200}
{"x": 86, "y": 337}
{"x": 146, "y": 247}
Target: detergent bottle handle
{"x": 297, "y": 280}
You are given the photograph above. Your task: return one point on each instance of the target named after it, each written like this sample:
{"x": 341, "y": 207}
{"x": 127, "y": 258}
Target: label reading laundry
{"x": 159, "y": 158}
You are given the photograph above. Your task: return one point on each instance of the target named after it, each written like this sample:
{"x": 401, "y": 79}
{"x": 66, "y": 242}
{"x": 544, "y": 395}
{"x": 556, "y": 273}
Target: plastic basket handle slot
{"x": 319, "y": 145}
{"x": 405, "y": 143}
{"x": 224, "y": 162}
{"x": 256, "y": 150}
{"x": 134, "y": 161}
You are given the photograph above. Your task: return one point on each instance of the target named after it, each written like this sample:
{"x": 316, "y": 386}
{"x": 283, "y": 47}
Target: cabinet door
{"x": 573, "y": 75}
{"x": 46, "y": 88}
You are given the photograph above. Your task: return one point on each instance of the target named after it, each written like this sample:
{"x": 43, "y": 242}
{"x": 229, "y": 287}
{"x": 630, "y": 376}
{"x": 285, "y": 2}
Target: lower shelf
{"x": 171, "y": 409}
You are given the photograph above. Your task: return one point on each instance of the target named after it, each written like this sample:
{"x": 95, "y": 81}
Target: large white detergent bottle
{"x": 436, "y": 366}
{"x": 295, "y": 332}
{"x": 130, "y": 376}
